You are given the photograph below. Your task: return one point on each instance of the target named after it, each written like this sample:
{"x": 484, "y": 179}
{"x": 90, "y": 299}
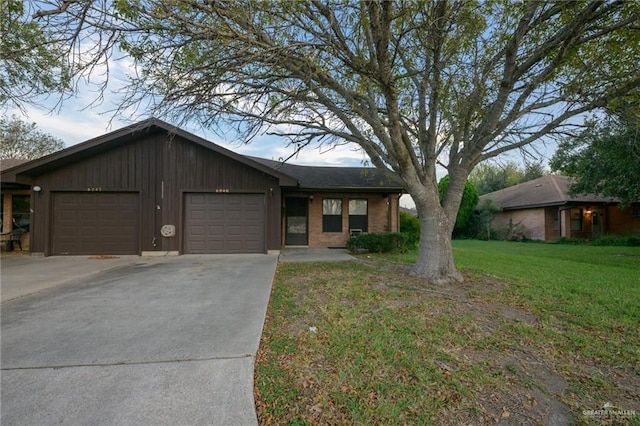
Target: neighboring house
{"x": 547, "y": 212}
{"x": 152, "y": 188}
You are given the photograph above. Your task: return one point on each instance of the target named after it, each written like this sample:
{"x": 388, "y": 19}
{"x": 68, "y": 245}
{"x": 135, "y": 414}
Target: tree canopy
{"x": 32, "y": 62}
{"x": 415, "y": 84}
{"x": 604, "y": 158}
{"x": 19, "y": 139}
{"x": 489, "y": 177}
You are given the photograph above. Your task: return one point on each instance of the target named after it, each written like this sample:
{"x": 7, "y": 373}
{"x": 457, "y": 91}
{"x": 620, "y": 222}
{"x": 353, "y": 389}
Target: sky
{"x": 77, "y": 120}
{"x": 80, "y": 118}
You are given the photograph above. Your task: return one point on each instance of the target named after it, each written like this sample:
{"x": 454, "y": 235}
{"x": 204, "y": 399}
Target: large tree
{"x": 32, "y": 62}
{"x": 489, "y": 177}
{"x": 605, "y": 157}
{"x": 413, "y": 83}
{"x": 19, "y": 139}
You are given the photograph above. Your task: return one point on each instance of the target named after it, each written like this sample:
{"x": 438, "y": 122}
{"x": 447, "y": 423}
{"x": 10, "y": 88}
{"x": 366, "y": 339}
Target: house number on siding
{"x": 224, "y": 190}
{"x": 94, "y": 189}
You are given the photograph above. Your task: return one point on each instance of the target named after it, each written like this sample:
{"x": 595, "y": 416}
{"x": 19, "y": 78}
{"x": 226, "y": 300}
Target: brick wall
{"x": 533, "y": 221}
{"x": 382, "y": 217}
{"x": 623, "y": 221}
{"x": 551, "y": 221}
{"x": 541, "y": 223}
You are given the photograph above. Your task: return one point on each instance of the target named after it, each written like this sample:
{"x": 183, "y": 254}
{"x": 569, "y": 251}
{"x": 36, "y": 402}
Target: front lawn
{"x": 537, "y": 334}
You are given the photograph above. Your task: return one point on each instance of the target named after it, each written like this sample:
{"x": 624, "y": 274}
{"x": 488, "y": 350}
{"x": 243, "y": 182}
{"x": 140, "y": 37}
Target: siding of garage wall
{"x": 161, "y": 168}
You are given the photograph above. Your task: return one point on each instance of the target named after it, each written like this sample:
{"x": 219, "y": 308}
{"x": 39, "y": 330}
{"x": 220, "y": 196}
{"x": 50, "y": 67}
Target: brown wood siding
{"x": 95, "y": 223}
{"x": 161, "y": 168}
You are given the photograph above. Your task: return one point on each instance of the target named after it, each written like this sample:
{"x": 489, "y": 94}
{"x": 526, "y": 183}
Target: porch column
{"x": 565, "y": 223}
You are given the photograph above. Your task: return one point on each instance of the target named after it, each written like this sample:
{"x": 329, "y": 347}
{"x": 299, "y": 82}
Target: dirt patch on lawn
{"x": 523, "y": 377}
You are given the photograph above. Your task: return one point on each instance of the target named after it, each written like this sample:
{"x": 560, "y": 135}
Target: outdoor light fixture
{"x": 37, "y": 189}
{"x": 311, "y": 198}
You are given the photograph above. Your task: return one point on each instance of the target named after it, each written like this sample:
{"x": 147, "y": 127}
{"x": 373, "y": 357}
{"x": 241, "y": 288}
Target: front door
{"x": 296, "y": 221}
{"x": 597, "y": 223}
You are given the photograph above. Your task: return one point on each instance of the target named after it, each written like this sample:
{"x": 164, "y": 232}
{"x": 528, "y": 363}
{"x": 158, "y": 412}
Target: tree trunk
{"x": 435, "y": 256}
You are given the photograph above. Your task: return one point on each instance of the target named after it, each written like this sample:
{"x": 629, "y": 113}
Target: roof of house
{"x": 8, "y": 163}
{"x": 122, "y": 136}
{"x": 289, "y": 175}
{"x": 550, "y": 190}
{"x": 338, "y": 178}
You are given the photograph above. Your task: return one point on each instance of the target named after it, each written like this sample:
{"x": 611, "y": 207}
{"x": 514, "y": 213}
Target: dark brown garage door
{"x": 224, "y": 223}
{"x": 95, "y": 223}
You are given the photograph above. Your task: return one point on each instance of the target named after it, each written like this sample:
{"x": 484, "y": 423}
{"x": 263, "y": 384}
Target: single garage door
{"x": 224, "y": 223}
{"x": 95, "y": 223}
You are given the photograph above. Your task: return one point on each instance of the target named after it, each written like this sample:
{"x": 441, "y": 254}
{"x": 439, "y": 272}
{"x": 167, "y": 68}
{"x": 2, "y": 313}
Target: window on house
{"x": 331, "y": 215}
{"x": 576, "y": 219}
{"x": 358, "y": 218}
{"x": 21, "y": 213}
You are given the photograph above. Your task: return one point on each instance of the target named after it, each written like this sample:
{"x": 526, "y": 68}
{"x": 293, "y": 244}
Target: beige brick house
{"x": 547, "y": 212}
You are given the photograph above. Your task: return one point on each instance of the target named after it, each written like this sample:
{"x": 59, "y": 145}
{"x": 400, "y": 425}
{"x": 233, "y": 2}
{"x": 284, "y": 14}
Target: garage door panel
{"x": 224, "y": 223}
{"x": 95, "y": 223}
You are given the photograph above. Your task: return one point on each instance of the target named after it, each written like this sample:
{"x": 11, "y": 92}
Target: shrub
{"x": 382, "y": 242}
{"x": 614, "y": 240}
{"x": 467, "y": 204}
{"x": 608, "y": 240}
{"x": 479, "y": 225}
{"x": 569, "y": 241}
{"x": 410, "y": 226}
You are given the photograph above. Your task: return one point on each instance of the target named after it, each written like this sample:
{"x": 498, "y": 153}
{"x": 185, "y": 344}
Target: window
{"x": 21, "y": 215}
{"x": 358, "y": 215}
{"x": 576, "y": 219}
{"x": 332, "y": 215}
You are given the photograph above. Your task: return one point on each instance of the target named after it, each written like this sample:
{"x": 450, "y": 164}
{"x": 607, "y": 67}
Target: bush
{"x": 614, "y": 240}
{"x": 383, "y": 242}
{"x": 570, "y": 241}
{"x": 468, "y": 203}
{"x": 410, "y": 226}
{"x": 608, "y": 240}
{"x": 513, "y": 232}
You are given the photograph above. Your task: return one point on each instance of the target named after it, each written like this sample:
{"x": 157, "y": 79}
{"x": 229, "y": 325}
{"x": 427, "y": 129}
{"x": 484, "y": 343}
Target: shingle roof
{"x": 551, "y": 190}
{"x": 337, "y": 178}
{"x": 8, "y": 163}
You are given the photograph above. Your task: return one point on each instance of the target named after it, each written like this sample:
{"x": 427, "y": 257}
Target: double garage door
{"x": 109, "y": 223}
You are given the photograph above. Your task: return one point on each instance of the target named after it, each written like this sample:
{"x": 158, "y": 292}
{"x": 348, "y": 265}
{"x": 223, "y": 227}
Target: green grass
{"x": 594, "y": 291}
{"x": 392, "y": 349}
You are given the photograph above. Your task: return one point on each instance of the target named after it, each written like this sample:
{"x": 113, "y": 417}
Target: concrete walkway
{"x": 144, "y": 341}
{"x": 308, "y": 254}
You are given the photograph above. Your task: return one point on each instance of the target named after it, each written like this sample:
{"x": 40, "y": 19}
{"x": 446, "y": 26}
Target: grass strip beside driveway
{"x": 534, "y": 335}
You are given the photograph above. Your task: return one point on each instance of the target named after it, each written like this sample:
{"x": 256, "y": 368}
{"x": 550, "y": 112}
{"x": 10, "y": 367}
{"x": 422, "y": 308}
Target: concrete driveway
{"x": 144, "y": 341}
